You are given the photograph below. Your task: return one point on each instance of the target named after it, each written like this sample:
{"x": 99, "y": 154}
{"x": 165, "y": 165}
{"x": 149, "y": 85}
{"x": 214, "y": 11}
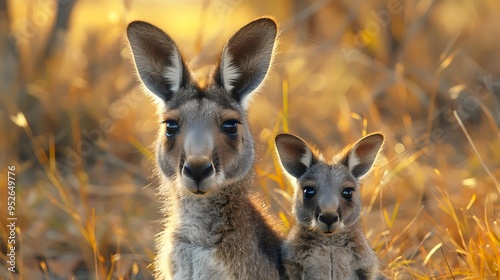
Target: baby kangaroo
{"x": 327, "y": 241}
{"x": 205, "y": 157}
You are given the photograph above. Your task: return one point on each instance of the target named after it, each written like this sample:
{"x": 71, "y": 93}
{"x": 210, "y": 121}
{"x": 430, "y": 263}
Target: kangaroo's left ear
{"x": 363, "y": 154}
{"x": 246, "y": 59}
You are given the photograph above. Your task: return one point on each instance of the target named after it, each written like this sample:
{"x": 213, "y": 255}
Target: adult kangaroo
{"x": 205, "y": 156}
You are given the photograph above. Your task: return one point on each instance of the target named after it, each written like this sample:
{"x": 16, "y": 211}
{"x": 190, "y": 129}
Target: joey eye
{"x": 230, "y": 127}
{"x": 347, "y": 193}
{"x": 309, "y": 192}
{"x": 172, "y": 128}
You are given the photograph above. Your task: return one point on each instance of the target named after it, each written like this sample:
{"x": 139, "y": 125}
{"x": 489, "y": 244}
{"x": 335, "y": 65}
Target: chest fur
{"x": 327, "y": 262}
{"x": 192, "y": 261}
{"x": 307, "y": 259}
{"x": 187, "y": 248}
{"x": 216, "y": 242}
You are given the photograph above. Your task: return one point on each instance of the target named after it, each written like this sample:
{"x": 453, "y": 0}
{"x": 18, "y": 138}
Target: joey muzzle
{"x": 328, "y": 218}
{"x": 328, "y": 222}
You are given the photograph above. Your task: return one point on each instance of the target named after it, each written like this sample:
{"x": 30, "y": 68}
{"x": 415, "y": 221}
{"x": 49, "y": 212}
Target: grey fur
{"x": 327, "y": 241}
{"x": 213, "y": 228}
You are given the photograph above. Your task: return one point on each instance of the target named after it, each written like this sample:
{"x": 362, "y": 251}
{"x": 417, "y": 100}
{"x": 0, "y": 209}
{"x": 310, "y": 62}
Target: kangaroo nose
{"x": 198, "y": 170}
{"x": 328, "y": 218}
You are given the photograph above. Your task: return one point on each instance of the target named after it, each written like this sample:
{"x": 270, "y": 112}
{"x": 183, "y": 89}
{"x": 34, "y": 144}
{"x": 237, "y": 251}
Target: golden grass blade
{"x": 284, "y": 219}
{"x": 472, "y": 200}
{"x": 285, "y": 106}
{"x": 19, "y": 119}
{"x": 431, "y": 252}
{"x": 473, "y": 146}
{"x": 141, "y": 148}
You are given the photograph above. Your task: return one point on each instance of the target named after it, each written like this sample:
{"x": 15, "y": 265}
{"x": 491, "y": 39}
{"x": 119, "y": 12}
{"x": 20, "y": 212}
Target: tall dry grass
{"x": 79, "y": 130}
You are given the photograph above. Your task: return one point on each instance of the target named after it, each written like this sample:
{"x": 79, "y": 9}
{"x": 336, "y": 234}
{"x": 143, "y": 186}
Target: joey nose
{"x": 328, "y": 218}
{"x": 197, "y": 170}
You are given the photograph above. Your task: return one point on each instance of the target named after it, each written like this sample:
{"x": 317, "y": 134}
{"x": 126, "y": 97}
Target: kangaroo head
{"x": 204, "y": 142}
{"x": 326, "y": 195}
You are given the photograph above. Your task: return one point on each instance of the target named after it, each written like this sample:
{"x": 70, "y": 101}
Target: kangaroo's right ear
{"x": 294, "y": 154}
{"x": 246, "y": 59}
{"x": 157, "y": 59}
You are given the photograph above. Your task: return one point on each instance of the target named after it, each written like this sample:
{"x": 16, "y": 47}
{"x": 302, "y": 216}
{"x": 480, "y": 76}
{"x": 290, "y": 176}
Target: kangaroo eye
{"x": 347, "y": 193}
{"x": 230, "y": 127}
{"x": 172, "y": 128}
{"x": 309, "y": 192}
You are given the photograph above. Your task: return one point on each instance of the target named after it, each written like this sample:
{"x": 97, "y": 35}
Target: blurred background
{"x": 79, "y": 130}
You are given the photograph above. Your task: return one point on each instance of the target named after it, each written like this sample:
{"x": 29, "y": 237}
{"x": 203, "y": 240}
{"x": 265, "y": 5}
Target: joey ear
{"x": 294, "y": 154}
{"x": 363, "y": 154}
{"x": 246, "y": 59}
{"x": 157, "y": 59}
